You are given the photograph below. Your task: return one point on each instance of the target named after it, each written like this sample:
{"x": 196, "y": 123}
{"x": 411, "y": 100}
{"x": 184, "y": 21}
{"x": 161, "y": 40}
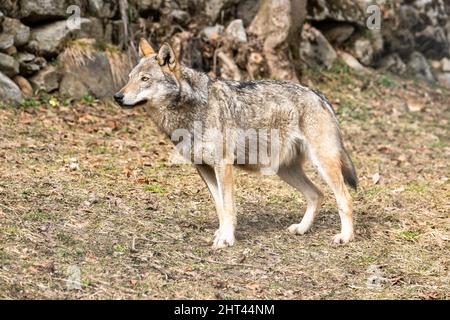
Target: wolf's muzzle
{"x": 119, "y": 98}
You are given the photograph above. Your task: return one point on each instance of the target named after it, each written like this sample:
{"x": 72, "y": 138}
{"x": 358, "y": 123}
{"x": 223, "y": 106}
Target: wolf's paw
{"x": 343, "y": 238}
{"x": 298, "y": 228}
{"x": 223, "y": 238}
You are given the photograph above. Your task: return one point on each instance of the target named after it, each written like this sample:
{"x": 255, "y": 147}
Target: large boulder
{"x": 8, "y": 65}
{"x": 18, "y": 30}
{"x": 315, "y": 49}
{"x": 9, "y": 91}
{"x": 94, "y": 77}
{"x": 88, "y": 69}
{"x": 32, "y": 11}
{"x": 47, "y": 40}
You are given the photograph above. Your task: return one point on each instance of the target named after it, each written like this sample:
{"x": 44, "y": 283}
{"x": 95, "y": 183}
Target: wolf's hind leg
{"x": 296, "y": 177}
{"x": 329, "y": 166}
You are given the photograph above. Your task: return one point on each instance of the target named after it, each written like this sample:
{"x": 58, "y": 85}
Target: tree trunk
{"x": 277, "y": 28}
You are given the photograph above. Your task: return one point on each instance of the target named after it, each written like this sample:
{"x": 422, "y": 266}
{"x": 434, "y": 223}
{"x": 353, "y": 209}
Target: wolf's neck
{"x": 189, "y": 106}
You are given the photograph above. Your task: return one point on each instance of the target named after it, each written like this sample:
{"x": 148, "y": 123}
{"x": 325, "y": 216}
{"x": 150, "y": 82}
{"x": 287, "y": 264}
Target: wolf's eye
{"x": 145, "y": 78}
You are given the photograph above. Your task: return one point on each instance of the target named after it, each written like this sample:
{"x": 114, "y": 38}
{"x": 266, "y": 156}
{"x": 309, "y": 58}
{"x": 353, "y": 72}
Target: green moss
{"x": 38, "y": 215}
{"x": 410, "y": 235}
{"x": 155, "y": 189}
{"x": 386, "y": 81}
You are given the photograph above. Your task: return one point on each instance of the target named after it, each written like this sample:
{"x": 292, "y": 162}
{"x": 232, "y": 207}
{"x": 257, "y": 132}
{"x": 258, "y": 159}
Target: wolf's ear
{"x": 145, "y": 49}
{"x": 166, "y": 57}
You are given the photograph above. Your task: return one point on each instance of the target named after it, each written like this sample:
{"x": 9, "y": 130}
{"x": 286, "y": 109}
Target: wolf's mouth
{"x": 129, "y": 106}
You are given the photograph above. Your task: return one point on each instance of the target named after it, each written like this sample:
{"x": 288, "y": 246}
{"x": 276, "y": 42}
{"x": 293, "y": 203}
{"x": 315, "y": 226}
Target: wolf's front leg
{"x": 224, "y": 236}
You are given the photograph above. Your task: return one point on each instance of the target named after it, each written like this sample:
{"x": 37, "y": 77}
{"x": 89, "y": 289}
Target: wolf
{"x": 176, "y": 97}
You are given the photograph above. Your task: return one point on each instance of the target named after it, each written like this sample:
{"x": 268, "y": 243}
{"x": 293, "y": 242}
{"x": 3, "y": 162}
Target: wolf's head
{"x": 155, "y": 81}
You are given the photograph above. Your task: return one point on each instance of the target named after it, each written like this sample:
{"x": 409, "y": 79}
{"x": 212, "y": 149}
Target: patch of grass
{"x": 30, "y": 103}
{"x": 367, "y": 259}
{"x": 66, "y": 239}
{"x": 339, "y": 67}
{"x": 439, "y": 145}
{"x": 372, "y": 192}
{"x": 38, "y": 215}
{"x": 275, "y": 199}
{"x": 410, "y": 235}
{"x": 155, "y": 188}
{"x": 120, "y": 248}
{"x": 89, "y": 99}
{"x": 4, "y": 256}
{"x": 386, "y": 80}
{"x": 416, "y": 187}
{"x": 101, "y": 150}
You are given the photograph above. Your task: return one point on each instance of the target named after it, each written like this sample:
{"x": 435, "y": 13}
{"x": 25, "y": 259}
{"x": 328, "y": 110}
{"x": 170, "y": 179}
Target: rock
{"x": 338, "y": 33}
{"x": 46, "y": 80}
{"x": 432, "y": 42}
{"x": 11, "y": 51}
{"x": 93, "y": 77}
{"x": 398, "y": 33}
{"x": 444, "y": 79}
{"x": 211, "y": 33}
{"x": 246, "y": 10}
{"x": 351, "y": 61}
{"x": 315, "y": 49}
{"x": 339, "y": 10}
{"x": 29, "y": 63}
{"x": 6, "y": 41}
{"x": 9, "y": 7}
{"x": 147, "y": 7}
{"x": 181, "y": 17}
{"x": 8, "y": 65}
{"x": 419, "y": 67}
{"x": 2, "y": 18}
{"x": 20, "y": 32}
{"x": 363, "y": 51}
{"x": 236, "y": 31}
{"x": 33, "y": 11}
{"x": 48, "y": 39}
{"x": 103, "y": 8}
{"x": 445, "y": 64}
{"x": 214, "y": 8}
{"x": 24, "y": 85}
{"x": 9, "y": 91}
{"x": 436, "y": 64}
{"x": 393, "y": 63}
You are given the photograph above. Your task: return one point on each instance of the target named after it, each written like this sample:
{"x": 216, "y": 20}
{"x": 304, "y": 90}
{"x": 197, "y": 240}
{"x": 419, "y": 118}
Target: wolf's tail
{"x": 348, "y": 170}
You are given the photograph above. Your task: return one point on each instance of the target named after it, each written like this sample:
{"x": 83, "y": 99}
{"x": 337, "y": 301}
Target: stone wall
{"x": 39, "y": 52}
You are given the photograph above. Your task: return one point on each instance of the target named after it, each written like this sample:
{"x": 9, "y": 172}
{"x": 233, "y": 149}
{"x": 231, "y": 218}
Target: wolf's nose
{"x": 118, "y": 97}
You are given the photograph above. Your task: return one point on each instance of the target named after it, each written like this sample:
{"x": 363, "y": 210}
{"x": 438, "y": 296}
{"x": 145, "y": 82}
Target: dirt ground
{"x": 90, "y": 207}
